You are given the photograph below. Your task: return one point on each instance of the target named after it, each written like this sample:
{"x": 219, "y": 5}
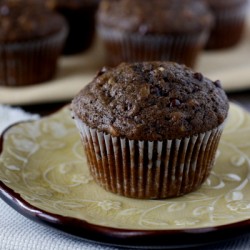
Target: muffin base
{"x": 30, "y": 62}
{"x": 149, "y": 169}
{"x": 122, "y": 47}
{"x": 228, "y": 29}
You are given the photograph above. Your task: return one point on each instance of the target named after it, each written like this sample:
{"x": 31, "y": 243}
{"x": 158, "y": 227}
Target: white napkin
{"x": 20, "y": 233}
{"x": 9, "y": 115}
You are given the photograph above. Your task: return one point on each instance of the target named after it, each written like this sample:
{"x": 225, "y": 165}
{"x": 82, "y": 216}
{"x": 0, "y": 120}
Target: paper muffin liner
{"x": 229, "y": 27}
{"x": 149, "y": 169}
{"x": 123, "y": 47}
{"x": 30, "y": 62}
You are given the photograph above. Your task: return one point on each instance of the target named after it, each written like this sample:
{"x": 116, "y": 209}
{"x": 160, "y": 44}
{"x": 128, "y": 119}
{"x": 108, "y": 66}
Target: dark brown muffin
{"x": 80, "y": 15}
{"x": 151, "y": 101}
{"x": 230, "y": 17}
{"x": 31, "y": 39}
{"x": 150, "y": 129}
{"x": 21, "y": 22}
{"x": 149, "y": 30}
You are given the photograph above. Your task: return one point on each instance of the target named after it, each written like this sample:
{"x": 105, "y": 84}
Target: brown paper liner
{"x": 122, "y": 47}
{"x": 149, "y": 169}
{"x": 29, "y": 62}
{"x": 229, "y": 27}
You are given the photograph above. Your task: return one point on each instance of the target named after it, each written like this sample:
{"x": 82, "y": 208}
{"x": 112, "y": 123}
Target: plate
{"x": 44, "y": 176}
{"x": 231, "y": 66}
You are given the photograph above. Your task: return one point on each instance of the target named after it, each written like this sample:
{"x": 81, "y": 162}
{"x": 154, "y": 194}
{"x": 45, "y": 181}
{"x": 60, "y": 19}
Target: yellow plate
{"x": 43, "y": 165}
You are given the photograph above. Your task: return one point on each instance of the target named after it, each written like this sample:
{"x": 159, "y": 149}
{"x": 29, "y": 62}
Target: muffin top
{"x": 158, "y": 16}
{"x": 27, "y": 21}
{"x": 151, "y": 101}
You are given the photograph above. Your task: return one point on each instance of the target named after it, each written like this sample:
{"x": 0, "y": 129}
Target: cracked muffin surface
{"x": 151, "y": 101}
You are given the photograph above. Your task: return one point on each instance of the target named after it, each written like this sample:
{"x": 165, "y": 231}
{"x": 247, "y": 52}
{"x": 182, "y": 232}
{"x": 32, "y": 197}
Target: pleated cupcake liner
{"x": 229, "y": 27}
{"x": 149, "y": 169}
{"x": 122, "y": 47}
{"x": 29, "y": 62}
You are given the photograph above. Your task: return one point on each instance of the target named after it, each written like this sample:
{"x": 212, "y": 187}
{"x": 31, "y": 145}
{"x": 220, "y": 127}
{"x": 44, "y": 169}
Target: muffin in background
{"x": 31, "y": 40}
{"x": 230, "y": 19}
{"x": 174, "y": 30}
{"x": 150, "y": 130}
{"x": 80, "y": 15}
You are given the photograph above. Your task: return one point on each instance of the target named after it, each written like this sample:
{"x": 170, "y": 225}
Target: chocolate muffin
{"x": 150, "y": 129}
{"x": 230, "y": 17}
{"x": 80, "y": 15}
{"x": 31, "y": 40}
{"x": 141, "y": 30}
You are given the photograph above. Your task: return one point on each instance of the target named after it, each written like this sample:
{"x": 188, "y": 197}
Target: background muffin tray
{"x": 231, "y": 66}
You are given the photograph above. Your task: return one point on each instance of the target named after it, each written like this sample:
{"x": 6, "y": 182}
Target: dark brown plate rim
{"x": 156, "y": 239}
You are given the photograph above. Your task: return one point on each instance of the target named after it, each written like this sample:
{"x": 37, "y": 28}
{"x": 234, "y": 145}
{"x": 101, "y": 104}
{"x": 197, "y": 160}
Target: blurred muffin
{"x": 80, "y": 15}
{"x": 151, "y": 129}
{"x": 150, "y": 30}
{"x": 31, "y": 39}
{"x": 229, "y": 25}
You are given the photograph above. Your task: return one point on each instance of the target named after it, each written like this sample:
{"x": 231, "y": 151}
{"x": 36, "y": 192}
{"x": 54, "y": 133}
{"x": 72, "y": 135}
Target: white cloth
{"x": 9, "y": 115}
{"x": 20, "y": 233}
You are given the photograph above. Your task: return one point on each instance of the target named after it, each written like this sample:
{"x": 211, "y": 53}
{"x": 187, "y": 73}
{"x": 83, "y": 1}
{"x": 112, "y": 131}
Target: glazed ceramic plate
{"x": 231, "y": 66}
{"x": 44, "y": 176}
